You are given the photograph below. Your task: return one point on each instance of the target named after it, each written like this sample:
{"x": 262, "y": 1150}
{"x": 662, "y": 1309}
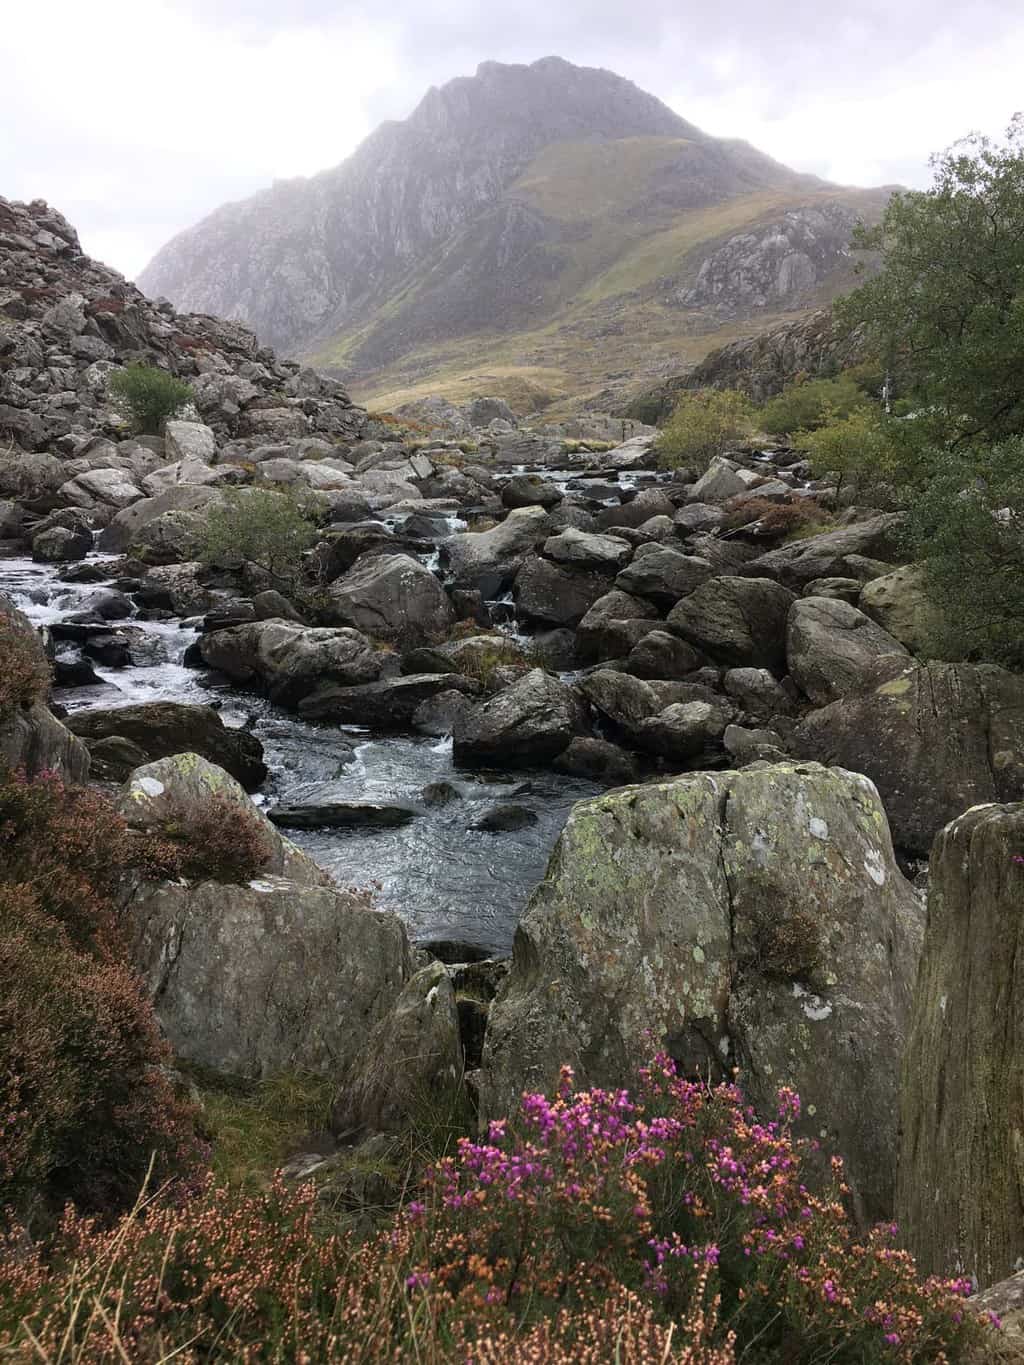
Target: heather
{"x": 25, "y": 674}
{"x": 84, "y": 1100}
{"x": 670, "y": 1224}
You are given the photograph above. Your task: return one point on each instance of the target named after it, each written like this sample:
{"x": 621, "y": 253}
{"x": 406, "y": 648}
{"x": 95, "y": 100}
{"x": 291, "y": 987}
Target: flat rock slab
{"x": 342, "y": 815}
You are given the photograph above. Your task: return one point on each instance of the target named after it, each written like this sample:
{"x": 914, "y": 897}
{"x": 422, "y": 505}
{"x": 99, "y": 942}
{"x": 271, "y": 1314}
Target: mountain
{"x": 553, "y": 218}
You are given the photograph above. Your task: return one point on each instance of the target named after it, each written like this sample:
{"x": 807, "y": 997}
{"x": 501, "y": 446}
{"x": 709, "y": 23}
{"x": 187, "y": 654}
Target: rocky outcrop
{"x": 934, "y": 739}
{"x": 285, "y": 971}
{"x": 752, "y": 918}
{"x": 961, "y": 1188}
{"x": 833, "y": 649}
{"x": 290, "y": 660}
{"x": 739, "y": 621}
{"x": 31, "y": 737}
{"x": 70, "y": 320}
{"x": 775, "y": 265}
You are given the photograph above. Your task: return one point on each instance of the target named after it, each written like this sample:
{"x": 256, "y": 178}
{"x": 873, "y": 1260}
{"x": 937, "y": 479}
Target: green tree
{"x": 148, "y": 395}
{"x": 703, "y": 424}
{"x": 946, "y": 313}
{"x": 259, "y": 528}
{"x": 809, "y": 404}
{"x": 968, "y": 528}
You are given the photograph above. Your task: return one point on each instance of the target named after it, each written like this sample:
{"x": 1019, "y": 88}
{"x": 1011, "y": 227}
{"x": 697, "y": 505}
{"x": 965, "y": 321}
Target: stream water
{"x": 446, "y": 880}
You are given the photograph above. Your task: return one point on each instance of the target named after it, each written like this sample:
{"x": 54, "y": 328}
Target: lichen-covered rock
{"x": 142, "y": 521}
{"x": 828, "y": 555}
{"x": 961, "y": 1186}
{"x": 31, "y": 737}
{"x": 663, "y": 575}
{"x": 935, "y": 740}
{"x": 754, "y": 918}
{"x": 554, "y": 595}
{"x": 833, "y": 649}
{"x": 613, "y": 625}
{"x": 410, "y": 1061}
{"x": 487, "y": 560}
{"x": 898, "y": 601}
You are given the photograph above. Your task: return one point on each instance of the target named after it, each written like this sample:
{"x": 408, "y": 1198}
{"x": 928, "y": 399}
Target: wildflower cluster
{"x": 668, "y": 1225}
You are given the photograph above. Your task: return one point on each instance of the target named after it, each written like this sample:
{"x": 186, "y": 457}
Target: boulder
{"x": 290, "y": 660}
{"x": 548, "y": 593}
{"x": 826, "y": 556}
{"x": 527, "y": 490}
{"x": 684, "y": 730}
{"x": 661, "y": 655}
{"x": 391, "y": 597}
{"x": 100, "y": 490}
{"x": 652, "y": 502}
{"x": 663, "y": 575}
{"x": 736, "y": 620}
{"x": 586, "y": 550}
{"x": 30, "y": 478}
{"x": 189, "y": 441}
{"x": 388, "y": 704}
{"x": 613, "y": 625}
{"x": 488, "y": 560}
{"x": 597, "y": 760}
{"x": 935, "y": 740}
{"x": 833, "y": 649}
{"x": 719, "y": 482}
{"x": 527, "y": 724}
{"x": 620, "y": 698}
{"x": 181, "y": 587}
{"x": 753, "y": 918}
{"x": 758, "y": 692}
{"x": 162, "y": 728}
{"x": 961, "y": 1186}
{"x": 412, "y": 1058}
{"x": 332, "y": 812}
{"x": 898, "y": 601}
{"x": 168, "y": 520}
{"x": 61, "y": 545}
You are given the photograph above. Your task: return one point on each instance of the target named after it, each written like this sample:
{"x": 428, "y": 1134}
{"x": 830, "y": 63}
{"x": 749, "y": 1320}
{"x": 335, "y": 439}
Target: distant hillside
{"x": 536, "y": 231}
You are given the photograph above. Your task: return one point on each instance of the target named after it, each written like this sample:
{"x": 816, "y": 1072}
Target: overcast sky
{"x": 137, "y": 117}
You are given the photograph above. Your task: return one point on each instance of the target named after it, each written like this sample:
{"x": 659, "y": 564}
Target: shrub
{"x": 873, "y": 454}
{"x": 269, "y": 531}
{"x": 811, "y": 404}
{"x": 25, "y": 673}
{"x": 968, "y": 527}
{"x": 703, "y": 425}
{"x": 83, "y": 1103}
{"x": 217, "y": 840}
{"x": 769, "y": 520}
{"x": 148, "y": 395}
{"x": 671, "y": 1227}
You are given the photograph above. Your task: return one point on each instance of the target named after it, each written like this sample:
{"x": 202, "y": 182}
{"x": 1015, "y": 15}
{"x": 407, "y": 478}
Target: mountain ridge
{"x": 519, "y": 200}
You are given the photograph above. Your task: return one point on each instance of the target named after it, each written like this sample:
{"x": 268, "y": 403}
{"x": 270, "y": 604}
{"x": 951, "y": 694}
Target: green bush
{"x": 865, "y": 450}
{"x": 703, "y": 424}
{"x": 148, "y": 396}
{"x": 811, "y": 404}
{"x": 968, "y": 528}
{"x": 259, "y": 528}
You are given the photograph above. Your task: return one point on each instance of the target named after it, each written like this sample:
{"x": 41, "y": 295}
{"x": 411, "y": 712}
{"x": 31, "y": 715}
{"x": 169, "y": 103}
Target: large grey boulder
{"x": 100, "y": 490}
{"x": 290, "y": 660}
{"x": 663, "y": 575}
{"x": 189, "y": 441}
{"x": 162, "y": 728}
{"x": 613, "y": 625}
{"x": 30, "y": 478}
{"x": 587, "y": 550}
{"x": 487, "y": 560}
{"x": 684, "y": 730}
{"x": 388, "y": 704}
{"x": 527, "y": 724}
{"x": 529, "y": 490}
{"x": 961, "y": 1186}
{"x": 735, "y": 620}
{"x": 142, "y": 521}
{"x": 753, "y": 918}
{"x": 547, "y": 592}
{"x": 61, "y": 545}
{"x": 719, "y": 482}
{"x": 391, "y": 597}
{"x": 935, "y": 739}
{"x": 833, "y": 649}
{"x": 827, "y": 555}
